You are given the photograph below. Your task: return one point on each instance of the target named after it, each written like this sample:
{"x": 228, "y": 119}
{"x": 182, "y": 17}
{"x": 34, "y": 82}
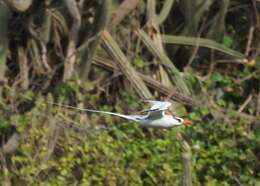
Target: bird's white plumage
{"x": 159, "y": 105}
{"x": 157, "y": 109}
{"x": 155, "y": 117}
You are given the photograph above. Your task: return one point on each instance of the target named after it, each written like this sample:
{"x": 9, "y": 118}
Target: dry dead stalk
{"x": 154, "y": 84}
{"x": 70, "y": 59}
{"x": 132, "y": 76}
{"x": 186, "y": 164}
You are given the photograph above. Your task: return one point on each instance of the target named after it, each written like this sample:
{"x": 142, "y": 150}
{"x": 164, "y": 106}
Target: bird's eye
{"x": 178, "y": 119}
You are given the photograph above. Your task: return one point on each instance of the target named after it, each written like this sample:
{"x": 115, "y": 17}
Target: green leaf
{"x": 139, "y": 62}
{"x": 217, "y": 77}
{"x": 227, "y": 41}
{"x": 202, "y": 42}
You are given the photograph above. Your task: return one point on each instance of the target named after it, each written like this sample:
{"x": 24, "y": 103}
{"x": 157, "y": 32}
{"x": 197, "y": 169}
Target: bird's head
{"x": 181, "y": 121}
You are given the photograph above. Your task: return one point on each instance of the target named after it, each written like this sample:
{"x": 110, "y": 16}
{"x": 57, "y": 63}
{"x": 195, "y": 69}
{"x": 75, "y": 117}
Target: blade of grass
{"x": 114, "y": 50}
{"x": 160, "y": 54}
{"x": 207, "y": 43}
{"x": 167, "y": 5}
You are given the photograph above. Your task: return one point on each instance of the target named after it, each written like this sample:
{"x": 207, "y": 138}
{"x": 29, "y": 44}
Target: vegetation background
{"x": 203, "y": 55}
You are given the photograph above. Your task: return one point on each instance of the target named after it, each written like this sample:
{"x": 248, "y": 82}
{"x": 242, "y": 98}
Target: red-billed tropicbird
{"x": 155, "y": 117}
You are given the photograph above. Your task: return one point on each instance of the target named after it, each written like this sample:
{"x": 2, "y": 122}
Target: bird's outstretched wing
{"x": 157, "y": 109}
{"x": 158, "y": 105}
{"x": 129, "y": 117}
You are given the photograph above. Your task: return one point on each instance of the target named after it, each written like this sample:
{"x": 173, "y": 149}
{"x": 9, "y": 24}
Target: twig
{"x": 211, "y": 66}
{"x": 258, "y": 105}
{"x": 222, "y": 111}
{"x": 237, "y": 181}
{"x": 257, "y": 50}
{"x": 238, "y": 81}
{"x": 123, "y": 9}
{"x": 86, "y": 43}
{"x": 242, "y": 107}
{"x": 24, "y": 69}
{"x": 38, "y": 38}
{"x": 249, "y": 40}
{"x": 238, "y": 61}
{"x": 197, "y": 46}
{"x": 255, "y": 11}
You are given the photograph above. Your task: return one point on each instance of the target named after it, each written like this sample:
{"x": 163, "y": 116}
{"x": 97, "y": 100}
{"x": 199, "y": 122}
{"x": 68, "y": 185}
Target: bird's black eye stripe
{"x": 178, "y": 119}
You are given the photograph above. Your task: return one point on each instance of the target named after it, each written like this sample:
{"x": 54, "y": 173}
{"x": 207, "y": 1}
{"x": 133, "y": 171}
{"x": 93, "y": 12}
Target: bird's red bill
{"x": 187, "y": 123}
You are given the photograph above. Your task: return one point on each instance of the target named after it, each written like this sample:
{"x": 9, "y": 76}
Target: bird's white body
{"x": 155, "y": 117}
{"x": 167, "y": 121}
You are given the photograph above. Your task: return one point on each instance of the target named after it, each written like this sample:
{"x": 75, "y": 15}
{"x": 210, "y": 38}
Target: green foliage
{"x": 138, "y": 62}
{"x": 119, "y": 155}
{"x": 227, "y": 41}
{"x": 228, "y": 151}
{"x": 58, "y": 151}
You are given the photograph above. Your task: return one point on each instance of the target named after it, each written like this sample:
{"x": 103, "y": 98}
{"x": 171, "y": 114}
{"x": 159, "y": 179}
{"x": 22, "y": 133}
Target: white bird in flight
{"x": 155, "y": 117}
